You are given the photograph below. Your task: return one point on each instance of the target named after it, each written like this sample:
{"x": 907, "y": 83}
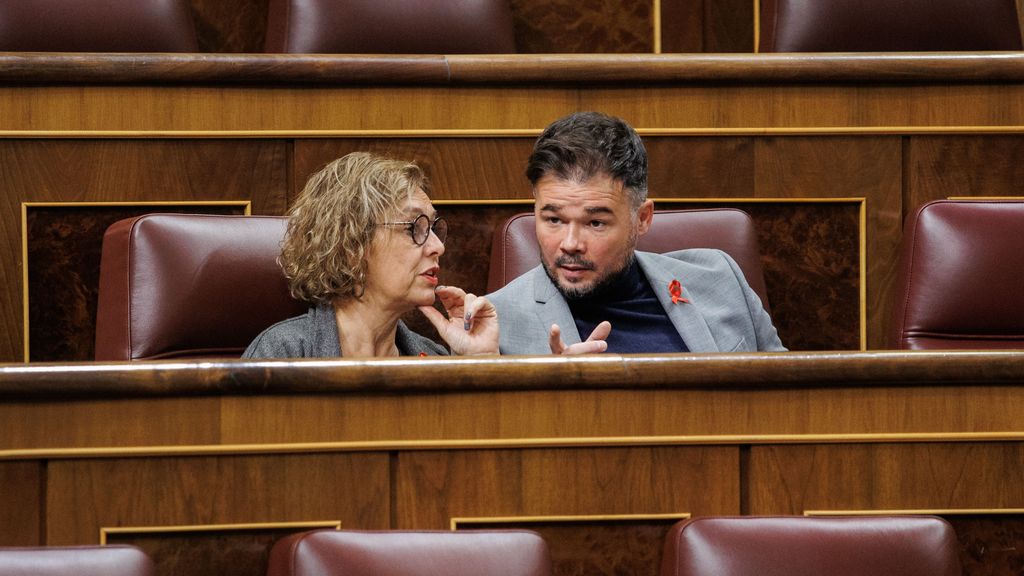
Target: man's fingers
{"x": 555, "y": 339}
{"x": 601, "y": 332}
{"x": 588, "y": 347}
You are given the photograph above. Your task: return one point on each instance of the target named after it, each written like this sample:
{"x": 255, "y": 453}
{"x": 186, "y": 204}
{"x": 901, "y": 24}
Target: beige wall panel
{"x": 21, "y": 500}
{"x": 433, "y": 487}
{"x": 85, "y": 495}
{"x": 794, "y": 479}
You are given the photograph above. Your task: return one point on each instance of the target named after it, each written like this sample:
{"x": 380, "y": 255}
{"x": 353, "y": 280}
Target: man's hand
{"x": 472, "y": 323}
{"x": 595, "y": 343}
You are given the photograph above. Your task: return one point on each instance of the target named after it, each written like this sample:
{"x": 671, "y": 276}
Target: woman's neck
{"x": 364, "y": 329}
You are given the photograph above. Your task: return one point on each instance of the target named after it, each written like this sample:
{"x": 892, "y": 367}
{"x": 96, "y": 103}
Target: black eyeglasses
{"x": 421, "y": 227}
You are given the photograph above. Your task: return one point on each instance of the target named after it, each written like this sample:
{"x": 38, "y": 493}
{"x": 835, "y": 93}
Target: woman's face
{"x": 401, "y": 275}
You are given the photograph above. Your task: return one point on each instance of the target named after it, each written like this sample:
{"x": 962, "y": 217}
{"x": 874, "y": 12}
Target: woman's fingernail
{"x": 438, "y": 287}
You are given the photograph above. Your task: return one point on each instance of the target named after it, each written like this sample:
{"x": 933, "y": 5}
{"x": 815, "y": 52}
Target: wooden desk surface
{"x": 217, "y": 459}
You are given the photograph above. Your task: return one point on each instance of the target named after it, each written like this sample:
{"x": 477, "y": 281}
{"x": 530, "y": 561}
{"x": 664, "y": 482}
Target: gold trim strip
{"x": 922, "y": 511}
{"x": 453, "y": 523}
{"x": 499, "y": 202}
{"x": 862, "y": 266}
{"x": 510, "y": 132}
{"x": 505, "y": 443}
{"x": 757, "y": 26}
{"x": 656, "y": 17}
{"x": 247, "y": 204}
{"x": 105, "y": 531}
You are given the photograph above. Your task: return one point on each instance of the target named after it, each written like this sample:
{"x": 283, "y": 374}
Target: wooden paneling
{"x": 140, "y": 422}
{"x": 21, "y": 500}
{"x": 569, "y": 26}
{"x": 64, "y": 247}
{"x": 990, "y": 545}
{"x": 707, "y": 26}
{"x": 796, "y": 479}
{"x": 86, "y": 495}
{"x": 486, "y": 168}
{"x": 230, "y": 25}
{"x": 838, "y": 167}
{"x": 434, "y": 487}
{"x": 943, "y": 166}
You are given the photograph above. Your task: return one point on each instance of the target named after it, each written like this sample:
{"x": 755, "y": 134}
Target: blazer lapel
{"x": 553, "y": 308}
{"x": 688, "y": 321}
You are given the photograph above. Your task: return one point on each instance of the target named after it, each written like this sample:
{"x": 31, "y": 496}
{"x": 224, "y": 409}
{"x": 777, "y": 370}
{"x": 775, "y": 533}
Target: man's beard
{"x": 597, "y": 288}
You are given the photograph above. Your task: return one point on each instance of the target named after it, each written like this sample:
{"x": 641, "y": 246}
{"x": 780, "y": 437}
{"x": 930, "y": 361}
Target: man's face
{"x": 586, "y": 231}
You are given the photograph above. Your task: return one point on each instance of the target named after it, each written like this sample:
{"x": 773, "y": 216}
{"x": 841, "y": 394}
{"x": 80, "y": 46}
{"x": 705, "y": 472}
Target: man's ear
{"x": 644, "y": 217}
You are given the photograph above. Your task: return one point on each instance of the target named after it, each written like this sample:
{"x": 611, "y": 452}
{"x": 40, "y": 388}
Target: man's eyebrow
{"x": 598, "y": 210}
{"x": 551, "y": 208}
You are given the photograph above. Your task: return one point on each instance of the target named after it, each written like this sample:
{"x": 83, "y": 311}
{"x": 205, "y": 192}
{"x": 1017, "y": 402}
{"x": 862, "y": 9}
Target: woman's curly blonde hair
{"x": 333, "y": 223}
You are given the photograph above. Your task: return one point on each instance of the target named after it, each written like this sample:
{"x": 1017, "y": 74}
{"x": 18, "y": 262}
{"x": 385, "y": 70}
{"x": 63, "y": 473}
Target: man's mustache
{"x": 578, "y": 261}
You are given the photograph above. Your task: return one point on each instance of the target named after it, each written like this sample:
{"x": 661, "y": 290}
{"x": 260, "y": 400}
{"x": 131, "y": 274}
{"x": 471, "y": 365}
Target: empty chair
{"x": 804, "y": 546}
{"x": 75, "y": 561}
{"x": 390, "y": 27}
{"x": 888, "y": 25}
{"x": 97, "y": 26}
{"x": 411, "y": 553}
{"x": 958, "y": 282}
{"x": 514, "y": 249}
{"x": 189, "y": 286}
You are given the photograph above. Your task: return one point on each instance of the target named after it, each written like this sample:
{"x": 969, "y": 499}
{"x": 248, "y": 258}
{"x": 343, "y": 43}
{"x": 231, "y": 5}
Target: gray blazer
{"x": 315, "y": 335}
{"x": 723, "y": 315}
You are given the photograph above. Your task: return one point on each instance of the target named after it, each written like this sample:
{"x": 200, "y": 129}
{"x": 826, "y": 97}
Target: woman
{"x": 363, "y": 246}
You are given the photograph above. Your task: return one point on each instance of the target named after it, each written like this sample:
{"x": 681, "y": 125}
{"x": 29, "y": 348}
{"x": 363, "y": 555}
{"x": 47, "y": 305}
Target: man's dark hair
{"x": 582, "y": 145}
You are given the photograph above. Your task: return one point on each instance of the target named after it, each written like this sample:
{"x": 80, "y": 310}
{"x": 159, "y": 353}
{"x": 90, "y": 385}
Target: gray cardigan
{"x": 315, "y": 335}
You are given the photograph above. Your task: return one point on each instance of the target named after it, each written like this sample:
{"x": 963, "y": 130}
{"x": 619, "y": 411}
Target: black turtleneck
{"x": 639, "y": 322}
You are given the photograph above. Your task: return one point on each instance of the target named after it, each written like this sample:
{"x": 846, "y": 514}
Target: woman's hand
{"x": 472, "y": 323}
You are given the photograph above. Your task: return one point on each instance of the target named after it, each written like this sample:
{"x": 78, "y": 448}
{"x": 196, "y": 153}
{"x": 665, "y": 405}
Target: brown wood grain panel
{"x": 21, "y": 498}
{"x": 682, "y": 26}
{"x": 968, "y": 165}
{"x": 990, "y": 544}
{"x": 598, "y": 547}
{"x": 794, "y": 479}
{"x": 85, "y": 495}
{"x": 622, "y": 413}
{"x": 700, "y": 167}
{"x": 434, "y": 487}
{"x": 241, "y": 552}
{"x": 595, "y": 26}
{"x": 230, "y": 25}
{"x": 486, "y": 168}
{"x": 728, "y": 26}
{"x": 843, "y": 167}
{"x": 64, "y": 248}
{"x": 125, "y": 422}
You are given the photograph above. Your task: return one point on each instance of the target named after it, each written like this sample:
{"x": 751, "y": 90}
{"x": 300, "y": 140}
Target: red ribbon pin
{"x": 676, "y": 290}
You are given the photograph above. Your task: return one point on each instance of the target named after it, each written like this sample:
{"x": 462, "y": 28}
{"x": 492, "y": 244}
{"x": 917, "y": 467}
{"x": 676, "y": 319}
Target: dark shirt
{"x": 639, "y": 321}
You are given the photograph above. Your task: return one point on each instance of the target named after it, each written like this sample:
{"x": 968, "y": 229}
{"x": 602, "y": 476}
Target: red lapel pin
{"x": 676, "y": 290}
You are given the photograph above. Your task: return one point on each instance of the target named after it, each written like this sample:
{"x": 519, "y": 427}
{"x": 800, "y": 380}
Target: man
{"x": 589, "y": 177}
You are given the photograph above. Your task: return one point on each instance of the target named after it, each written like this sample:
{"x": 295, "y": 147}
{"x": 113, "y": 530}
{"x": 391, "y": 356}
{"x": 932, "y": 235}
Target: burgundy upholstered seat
{"x": 97, "y": 26}
{"x": 514, "y": 249}
{"x": 75, "y": 561}
{"x": 811, "y": 546}
{"x": 189, "y": 285}
{"x": 959, "y": 277}
{"x": 888, "y": 25}
{"x": 390, "y": 27}
{"x": 411, "y": 553}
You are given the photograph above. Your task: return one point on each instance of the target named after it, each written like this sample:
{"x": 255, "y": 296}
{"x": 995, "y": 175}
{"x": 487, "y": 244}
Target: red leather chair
{"x": 75, "y": 561}
{"x": 390, "y": 27}
{"x": 888, "y": 25}
{"x": 805, "y": 546}
{"x": 411, "y": 553}
{"x": 189, "y": 286}
{"x": 514, "y": 249}
{"x": 958, "y": 283}
{"x": 97, "y": 26}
